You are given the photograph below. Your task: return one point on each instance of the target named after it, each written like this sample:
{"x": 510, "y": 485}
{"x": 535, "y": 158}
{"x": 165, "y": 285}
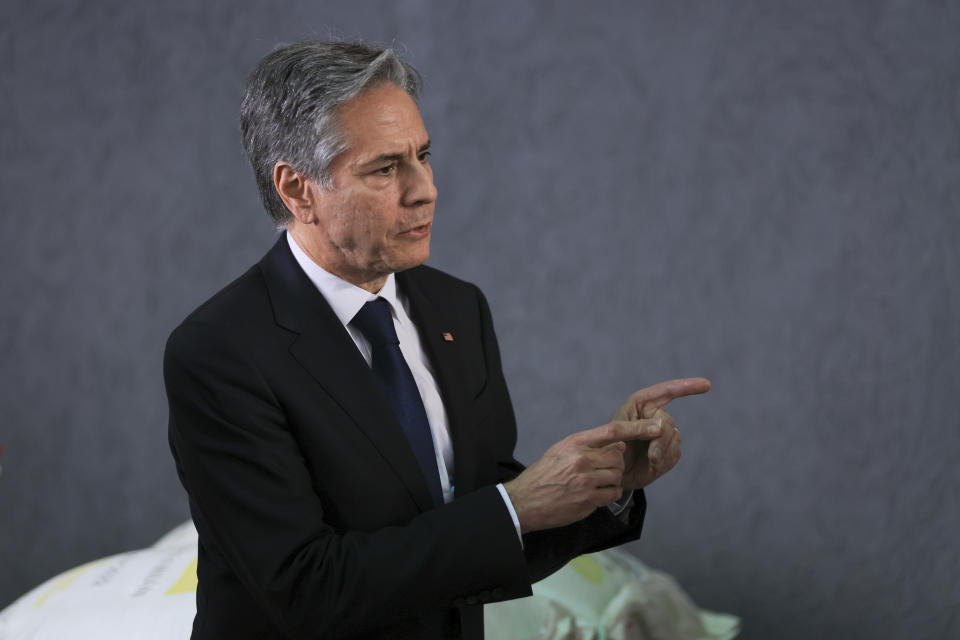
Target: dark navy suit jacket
{"x": 314, "y": 519}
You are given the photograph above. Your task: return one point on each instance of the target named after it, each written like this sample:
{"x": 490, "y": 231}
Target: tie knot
{"x": 376, "y": 323}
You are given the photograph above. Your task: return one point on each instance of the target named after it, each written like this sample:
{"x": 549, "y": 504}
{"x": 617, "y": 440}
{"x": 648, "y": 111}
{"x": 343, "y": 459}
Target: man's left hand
{"x": 645, "y": 461}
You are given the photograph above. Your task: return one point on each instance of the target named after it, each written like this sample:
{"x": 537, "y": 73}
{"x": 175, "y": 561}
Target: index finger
{"x": 620, "y": 431}
{"x": 651, "y": 398}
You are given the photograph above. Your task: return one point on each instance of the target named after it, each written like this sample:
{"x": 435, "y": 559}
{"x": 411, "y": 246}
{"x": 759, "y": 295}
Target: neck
{"x": 368, "y": 281}
{"x": 373, "y": 286}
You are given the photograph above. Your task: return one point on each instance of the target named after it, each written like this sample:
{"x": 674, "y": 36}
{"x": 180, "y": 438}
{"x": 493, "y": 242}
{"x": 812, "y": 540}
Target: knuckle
{"x": 608, "y": 431}
{"x": 579, "y": 483}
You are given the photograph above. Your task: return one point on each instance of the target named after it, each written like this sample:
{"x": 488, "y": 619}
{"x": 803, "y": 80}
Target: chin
{"x": 411, "y": 259}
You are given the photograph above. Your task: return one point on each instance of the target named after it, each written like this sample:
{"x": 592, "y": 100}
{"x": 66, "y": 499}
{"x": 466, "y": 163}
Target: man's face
{"x": 376, "y": 218}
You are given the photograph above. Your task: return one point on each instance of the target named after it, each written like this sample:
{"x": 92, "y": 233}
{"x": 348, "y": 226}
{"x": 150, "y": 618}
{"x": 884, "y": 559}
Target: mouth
{"x": 417, "y": 232}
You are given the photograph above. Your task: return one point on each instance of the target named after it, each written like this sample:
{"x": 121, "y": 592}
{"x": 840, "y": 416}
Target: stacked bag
{"x": 150, "y": 595}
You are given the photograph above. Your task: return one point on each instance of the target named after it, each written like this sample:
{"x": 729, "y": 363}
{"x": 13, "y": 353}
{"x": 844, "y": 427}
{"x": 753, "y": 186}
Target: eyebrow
{"x": 395, "y": 157}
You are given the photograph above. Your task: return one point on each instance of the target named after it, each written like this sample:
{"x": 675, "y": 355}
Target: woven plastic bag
{"x": 606, "y": 596}
{"x": 150, "y": 595}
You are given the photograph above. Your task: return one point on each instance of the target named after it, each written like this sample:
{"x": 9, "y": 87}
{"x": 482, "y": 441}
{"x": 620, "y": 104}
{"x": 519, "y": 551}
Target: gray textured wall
{"x": 766, "y": 193}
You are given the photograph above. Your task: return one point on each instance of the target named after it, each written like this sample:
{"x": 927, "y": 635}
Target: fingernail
{"x": 654, "y": 454}
{"x": 653, "y": 429}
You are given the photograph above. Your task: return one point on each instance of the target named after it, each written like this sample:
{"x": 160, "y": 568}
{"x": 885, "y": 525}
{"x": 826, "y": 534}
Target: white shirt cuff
{"x": 621, "y": 507}
{"x": 513, "y": 513}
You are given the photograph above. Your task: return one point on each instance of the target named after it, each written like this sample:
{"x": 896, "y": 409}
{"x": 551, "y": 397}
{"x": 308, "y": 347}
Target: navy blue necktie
{"x": 376, "y": 323}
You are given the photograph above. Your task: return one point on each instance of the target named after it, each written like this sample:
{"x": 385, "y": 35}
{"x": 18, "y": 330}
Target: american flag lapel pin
{"x": 448, "y": 336}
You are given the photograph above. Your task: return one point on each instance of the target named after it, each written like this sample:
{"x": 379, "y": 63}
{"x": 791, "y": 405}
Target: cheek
{"x": 358, "y": 226}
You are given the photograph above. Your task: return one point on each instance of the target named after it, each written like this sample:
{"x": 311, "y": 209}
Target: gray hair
{"x": 289, "y": 108}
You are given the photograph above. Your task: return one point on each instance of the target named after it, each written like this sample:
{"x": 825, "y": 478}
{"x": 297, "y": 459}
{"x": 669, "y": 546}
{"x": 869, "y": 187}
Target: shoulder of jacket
{"x": 242, "y": 301}
{"x": 434, "y": 279}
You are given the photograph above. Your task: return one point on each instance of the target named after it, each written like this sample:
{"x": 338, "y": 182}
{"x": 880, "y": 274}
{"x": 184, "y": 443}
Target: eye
{"x": 386, "y": 170}
{"x": 424, "y": 157}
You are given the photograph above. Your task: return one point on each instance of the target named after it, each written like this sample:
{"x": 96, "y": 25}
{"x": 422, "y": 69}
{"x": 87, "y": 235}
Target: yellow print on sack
{"x": 187, "y": 583}
{"x": 63, "y": 582}
{"x": 588, "y": 569}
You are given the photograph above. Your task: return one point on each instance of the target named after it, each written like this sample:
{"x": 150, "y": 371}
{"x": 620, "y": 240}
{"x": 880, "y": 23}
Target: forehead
{"x": 382, "y": 119}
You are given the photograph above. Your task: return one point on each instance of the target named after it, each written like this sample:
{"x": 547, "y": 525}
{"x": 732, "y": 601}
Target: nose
{"x": 419, "y": 188}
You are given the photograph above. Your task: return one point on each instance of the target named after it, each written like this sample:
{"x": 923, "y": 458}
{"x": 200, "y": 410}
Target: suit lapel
{"x": 324, "y": 348}
{"x": 432, "y": 323}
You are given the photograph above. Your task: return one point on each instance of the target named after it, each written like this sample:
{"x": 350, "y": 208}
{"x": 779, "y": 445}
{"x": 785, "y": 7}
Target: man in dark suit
{"x": 338, "y": 414}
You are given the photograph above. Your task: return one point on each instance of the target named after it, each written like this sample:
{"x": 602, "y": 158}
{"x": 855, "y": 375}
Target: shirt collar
{"x": 345, "y": 298}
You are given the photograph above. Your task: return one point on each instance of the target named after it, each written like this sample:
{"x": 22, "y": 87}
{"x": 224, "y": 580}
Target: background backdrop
{"x": 765, "y": 193}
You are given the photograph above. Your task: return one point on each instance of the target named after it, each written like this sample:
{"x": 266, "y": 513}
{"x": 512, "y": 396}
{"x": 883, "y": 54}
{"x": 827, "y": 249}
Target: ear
{"x": 296, "y": 191}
